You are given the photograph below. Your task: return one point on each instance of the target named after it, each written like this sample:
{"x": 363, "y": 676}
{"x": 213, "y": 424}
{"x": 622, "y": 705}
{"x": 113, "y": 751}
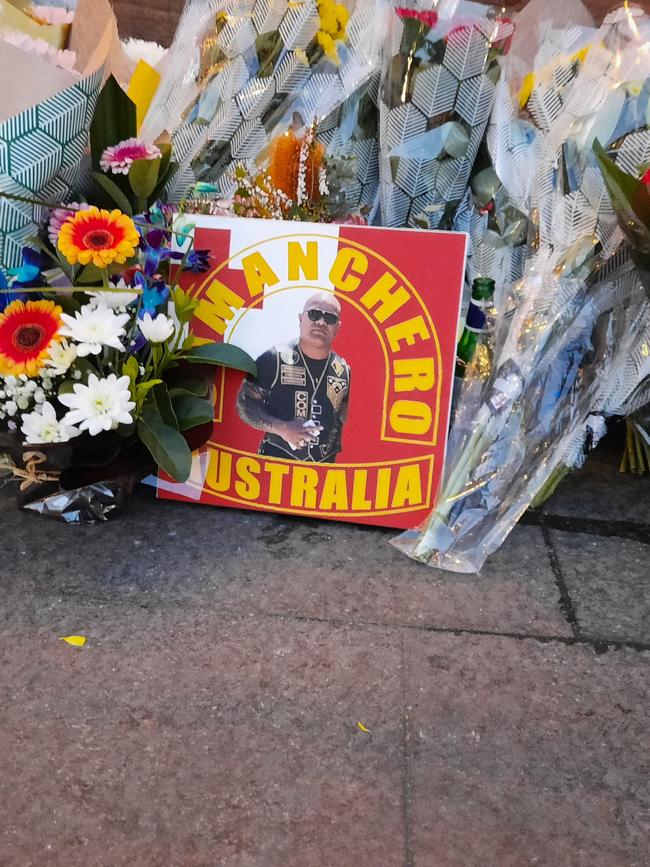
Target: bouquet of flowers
{"x": 101, "y": 376}
{"x": 438, "y": 86}
{"x": 267, "y": 81}
{"x": 569, "y": 342}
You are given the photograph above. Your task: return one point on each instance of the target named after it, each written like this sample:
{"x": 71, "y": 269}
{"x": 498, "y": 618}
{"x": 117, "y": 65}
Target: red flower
{"x": 27, "y": 331}
{"x": 646, "y": 178}
{"x": 428, "y": 18}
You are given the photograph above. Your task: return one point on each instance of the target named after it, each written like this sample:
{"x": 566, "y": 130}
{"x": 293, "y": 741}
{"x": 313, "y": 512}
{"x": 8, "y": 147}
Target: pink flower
{"x": 58, "y": 217}
{"x": 428, "y": 18}
{"x": 119, "y": 158}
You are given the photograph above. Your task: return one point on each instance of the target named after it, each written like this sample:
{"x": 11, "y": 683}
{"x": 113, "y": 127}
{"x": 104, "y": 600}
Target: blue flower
{"x": 198, "y": 261}
{"x": 29, "y": 275}
{"x": 154, "y": 293}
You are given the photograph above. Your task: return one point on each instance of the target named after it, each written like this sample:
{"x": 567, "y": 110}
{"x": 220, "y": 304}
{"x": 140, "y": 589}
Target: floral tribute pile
{"x": 528, "y": 131}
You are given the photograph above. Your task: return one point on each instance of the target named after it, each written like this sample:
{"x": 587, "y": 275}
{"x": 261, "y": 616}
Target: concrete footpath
{"x": 257, "y": 691}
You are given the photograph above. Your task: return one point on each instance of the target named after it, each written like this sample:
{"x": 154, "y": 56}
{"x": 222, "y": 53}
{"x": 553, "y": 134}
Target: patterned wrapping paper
{"x": 40, "y": 153}
{"x": 247, "y": 75}
{"x": 573, "y": 340}
{"x": 437, "y": 93}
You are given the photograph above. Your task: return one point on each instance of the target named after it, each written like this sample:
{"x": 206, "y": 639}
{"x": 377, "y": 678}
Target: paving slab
{"x": 523, "y": 753}
{"x": 600, "y": 492}
{"x": 200, "y": 742}
{"x": 609, "y": 585}
{"x": 164, "y": 552}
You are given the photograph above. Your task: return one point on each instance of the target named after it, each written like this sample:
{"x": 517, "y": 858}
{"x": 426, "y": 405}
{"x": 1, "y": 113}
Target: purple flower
{"x": 198, "y": 261}
{"x": 58, "y": 216}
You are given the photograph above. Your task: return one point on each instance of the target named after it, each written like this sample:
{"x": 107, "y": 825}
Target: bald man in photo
{"x": 300, "y": 397}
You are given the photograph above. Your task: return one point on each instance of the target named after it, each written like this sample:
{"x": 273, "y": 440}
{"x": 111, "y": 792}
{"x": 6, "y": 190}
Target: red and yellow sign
{"x": 354, "y": 329}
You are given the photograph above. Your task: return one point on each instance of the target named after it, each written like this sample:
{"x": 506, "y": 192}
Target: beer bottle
{"x": 475, "y": 324}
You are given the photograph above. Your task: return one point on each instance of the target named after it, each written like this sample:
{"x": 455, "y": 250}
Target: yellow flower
{"x": 327, "y": 44}
{"x": 100, "y": 237}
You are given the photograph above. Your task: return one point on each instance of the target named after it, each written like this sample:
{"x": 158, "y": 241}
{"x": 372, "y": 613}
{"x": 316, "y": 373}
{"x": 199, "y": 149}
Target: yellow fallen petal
{"x": 361, "y": 726}
{"x": 74, "y": 640}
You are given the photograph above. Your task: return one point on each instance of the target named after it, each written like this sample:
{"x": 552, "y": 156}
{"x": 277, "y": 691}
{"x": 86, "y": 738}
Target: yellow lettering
{"x": 410, "y": 417}
{"x": 413, "y": 374}
{"x": 277, "y": 473}
{"x": 407, "y": 331}
{"x": 359, "y": 501}
{"x": 218, "y": 306}
{"x": 348, "y": 268}
{"x": 408, "y": 487}
{"x": 335, "y": 492}
{"x": 303, "y": 488}
{"x": 219, "y": 471}
{"x": 258, "y": 273}
{"x": 380, "y": 294}
{"x": 383, "y": 488}
{"x": 302, "y": 261}
{"x": 248, "y": 487}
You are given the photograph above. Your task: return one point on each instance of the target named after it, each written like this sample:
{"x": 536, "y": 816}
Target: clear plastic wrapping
{"x": 569, "y": 341}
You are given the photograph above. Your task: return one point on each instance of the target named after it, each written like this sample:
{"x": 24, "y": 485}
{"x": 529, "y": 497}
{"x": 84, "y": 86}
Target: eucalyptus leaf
{"x": 224, "y": 354}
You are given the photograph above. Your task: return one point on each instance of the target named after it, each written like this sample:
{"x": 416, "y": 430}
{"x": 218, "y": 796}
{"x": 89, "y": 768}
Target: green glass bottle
{"x": 475, "y": 324}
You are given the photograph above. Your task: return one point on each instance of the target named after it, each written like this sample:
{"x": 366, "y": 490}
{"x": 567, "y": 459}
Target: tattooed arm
{"x": 252, "y": 408}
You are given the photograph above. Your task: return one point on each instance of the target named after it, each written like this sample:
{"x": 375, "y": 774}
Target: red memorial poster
{"x": 354, "y": 332}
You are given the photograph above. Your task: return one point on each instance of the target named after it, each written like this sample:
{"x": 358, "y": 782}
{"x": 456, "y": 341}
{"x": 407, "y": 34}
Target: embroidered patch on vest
{"x": 292, "y": 375}
{"x": 336, "y": 391}
{"x": 302, "y": 405}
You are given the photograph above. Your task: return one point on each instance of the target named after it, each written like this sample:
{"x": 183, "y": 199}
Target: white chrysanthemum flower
{"x": 156, "y": 330}
{"x": 93, "y": 327}
{"x": 42, "y": 426}
{"x": 140, "y": 49}
{"x": 121, "y": 297}
{"x": 102, "y": 405}
{"x": 61, "y": 357}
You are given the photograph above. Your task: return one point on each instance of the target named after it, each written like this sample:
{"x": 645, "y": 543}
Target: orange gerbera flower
{"x": 100, "y": 237}
{"x": 27, "y": 331}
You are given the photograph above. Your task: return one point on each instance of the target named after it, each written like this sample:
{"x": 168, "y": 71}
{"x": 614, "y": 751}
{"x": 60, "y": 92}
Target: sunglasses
{"x": 328, "y": 318}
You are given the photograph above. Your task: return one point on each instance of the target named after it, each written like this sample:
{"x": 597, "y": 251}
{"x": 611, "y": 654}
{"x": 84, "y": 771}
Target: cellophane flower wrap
{"x": 571, "y": 341}
{"x": 250, "y": 83}
{"x": 438, "y": 83}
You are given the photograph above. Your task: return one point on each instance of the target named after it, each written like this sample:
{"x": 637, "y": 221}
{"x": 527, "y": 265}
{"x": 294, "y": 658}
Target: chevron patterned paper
{"x": 40, "y": 152}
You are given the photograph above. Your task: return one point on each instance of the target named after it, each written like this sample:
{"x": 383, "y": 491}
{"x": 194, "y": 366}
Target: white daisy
{"x": 156, "y": 330}
{"x": 42, "y": 426}
{"x": 61, "y": 357}
{"x": 119, "y": 297}
{"x": 93, "y": 327}
{"x": 102, "y": 405}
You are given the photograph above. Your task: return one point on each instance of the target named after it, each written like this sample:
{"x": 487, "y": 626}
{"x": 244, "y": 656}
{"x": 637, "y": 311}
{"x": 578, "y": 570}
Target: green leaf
{"x": 197, "y": 387}
{"x": 143, "y": 389}
{"x": 631, "y": 200}
{"x": 114, "y": 120}
{"x": 114, "y": 192}
{"x": 131, "y": 368}
{"x": 66, "y": 387}
{"x": 90, "y": 276}
{"x": 143, "y": 177}
{"x": 165, "y": 444}
{"x": 192, "y": 411}
{"x": 224, "y": 354}
{"x": 160, "y": 396}
{"x": 164, "y": 178}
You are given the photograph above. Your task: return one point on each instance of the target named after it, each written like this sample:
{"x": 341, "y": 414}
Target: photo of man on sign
{"x": 300, "y": 396}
